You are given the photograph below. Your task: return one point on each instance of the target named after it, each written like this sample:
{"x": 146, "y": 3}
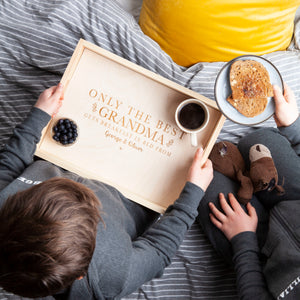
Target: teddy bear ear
{"x": 258, "y": 151}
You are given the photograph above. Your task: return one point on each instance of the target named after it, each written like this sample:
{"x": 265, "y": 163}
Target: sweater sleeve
{"x": 18, "y": 153}
{"x": 153, "y": 251}
{"x": 292, "y": 133}
{"x": 251, "y": 283}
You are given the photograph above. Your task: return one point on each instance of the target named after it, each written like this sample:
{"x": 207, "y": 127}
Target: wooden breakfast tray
{"x": 128, "y": 137}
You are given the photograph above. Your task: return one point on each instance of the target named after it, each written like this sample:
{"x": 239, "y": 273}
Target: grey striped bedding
{"x": 37, "y": 39}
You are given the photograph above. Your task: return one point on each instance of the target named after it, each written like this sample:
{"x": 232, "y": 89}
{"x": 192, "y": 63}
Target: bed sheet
{"x": 37, "y": 41}
{"x": 133, "y": 7}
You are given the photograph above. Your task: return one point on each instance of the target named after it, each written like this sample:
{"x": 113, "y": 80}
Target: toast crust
{"x": 250, "y": 86}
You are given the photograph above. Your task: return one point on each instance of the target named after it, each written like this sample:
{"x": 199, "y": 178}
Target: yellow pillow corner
{"x": 193, "y": 31}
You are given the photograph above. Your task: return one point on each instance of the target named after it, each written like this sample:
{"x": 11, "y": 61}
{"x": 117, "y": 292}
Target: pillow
{"x": 192, "y": 31}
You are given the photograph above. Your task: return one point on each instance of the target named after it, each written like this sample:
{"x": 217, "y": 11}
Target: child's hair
{"x": 47, "y": 237}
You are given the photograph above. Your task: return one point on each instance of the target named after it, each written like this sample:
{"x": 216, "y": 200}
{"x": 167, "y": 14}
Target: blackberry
{"x": 65, "y": 131}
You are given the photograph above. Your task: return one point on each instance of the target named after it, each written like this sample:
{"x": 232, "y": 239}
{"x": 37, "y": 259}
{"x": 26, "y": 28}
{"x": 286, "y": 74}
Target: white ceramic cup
{"x": 184, "y": 114}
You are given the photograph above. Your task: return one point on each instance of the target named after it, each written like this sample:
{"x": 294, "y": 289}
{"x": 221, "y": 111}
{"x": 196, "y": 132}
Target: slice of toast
{"x": 250, "y": 86}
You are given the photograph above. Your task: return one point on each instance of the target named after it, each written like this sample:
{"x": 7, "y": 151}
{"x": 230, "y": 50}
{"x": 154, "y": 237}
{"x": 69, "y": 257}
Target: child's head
{"x": 47, "y": 237}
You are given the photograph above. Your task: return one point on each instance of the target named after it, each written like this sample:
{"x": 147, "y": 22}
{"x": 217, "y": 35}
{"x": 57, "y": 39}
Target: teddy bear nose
{"x": 271, "y": 184}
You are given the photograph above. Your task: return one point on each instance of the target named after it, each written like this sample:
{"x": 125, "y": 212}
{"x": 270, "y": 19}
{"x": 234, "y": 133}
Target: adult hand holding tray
{"x": 128, "y": 136}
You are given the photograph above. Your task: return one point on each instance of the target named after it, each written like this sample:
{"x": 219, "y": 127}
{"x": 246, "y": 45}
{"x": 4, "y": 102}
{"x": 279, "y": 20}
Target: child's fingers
{"x": 53, "y": 91}
{"x": 198, "y": 155}
{"x": 225, "y": 206}
{"x": 216, "y": 222}
{"x": 288, "y": 94}
{"x": 251, "y": 210}
{"x": 219, "y": 215}
{"x": 57, "y": 109}
{"x": 234, "y": 203}
{"x": 207, "y": 164}
{"x": 49, "y": 91}
{"x": 196, "y": 164}
{"x": 58, "y": 91}
{"x": 278, "y": 97}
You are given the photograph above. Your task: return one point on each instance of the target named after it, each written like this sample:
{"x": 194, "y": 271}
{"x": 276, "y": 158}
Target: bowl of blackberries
{"x": 65, "y": 132}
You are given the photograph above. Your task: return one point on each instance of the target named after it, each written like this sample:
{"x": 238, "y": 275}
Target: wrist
{"x": 190, "y": 196}
{"x": 293, "y": 126}
{"x": 288, "y": 123}
{"x": 244, "y": 241}
{"x": 40, "y": 107}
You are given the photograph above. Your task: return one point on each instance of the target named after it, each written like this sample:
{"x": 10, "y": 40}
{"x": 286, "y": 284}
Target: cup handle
{"x": 194, "y": 140}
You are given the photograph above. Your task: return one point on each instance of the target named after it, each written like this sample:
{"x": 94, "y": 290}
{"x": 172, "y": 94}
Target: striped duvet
{"x": 37, "y": 39}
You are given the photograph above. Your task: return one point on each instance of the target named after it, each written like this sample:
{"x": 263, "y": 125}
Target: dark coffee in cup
{"x": 191, "y": 116}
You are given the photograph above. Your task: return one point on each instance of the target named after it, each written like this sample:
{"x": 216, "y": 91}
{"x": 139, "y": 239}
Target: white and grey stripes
{"x": 37, "y": 39}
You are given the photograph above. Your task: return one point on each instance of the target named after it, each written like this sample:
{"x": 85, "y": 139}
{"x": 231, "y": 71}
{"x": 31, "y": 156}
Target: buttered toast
{"x": 250, "y": 86}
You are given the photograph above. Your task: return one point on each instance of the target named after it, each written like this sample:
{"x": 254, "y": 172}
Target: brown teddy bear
{"x": 227, "y": 159}
{"x": 263, "y": 172}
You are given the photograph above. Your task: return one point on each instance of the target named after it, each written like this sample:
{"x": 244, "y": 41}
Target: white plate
{"x": 223, "y": 90}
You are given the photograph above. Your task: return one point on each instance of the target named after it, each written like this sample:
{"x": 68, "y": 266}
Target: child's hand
{"x": 50, "y": 100}
{"x": 286, "y": 110}
{"x": 234, "y": 220}
{"x": 200, "y": 175}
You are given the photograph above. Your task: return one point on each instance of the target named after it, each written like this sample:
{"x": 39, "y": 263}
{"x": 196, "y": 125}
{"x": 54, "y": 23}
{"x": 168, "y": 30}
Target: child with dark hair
{"x": 40, "y": 223}
{"x": 261, "y": 238}
{"x": 52, "y": 238}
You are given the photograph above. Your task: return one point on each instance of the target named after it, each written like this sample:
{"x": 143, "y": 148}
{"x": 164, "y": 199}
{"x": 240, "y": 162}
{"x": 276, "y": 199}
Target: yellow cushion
{"x": 192, "y": 31}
